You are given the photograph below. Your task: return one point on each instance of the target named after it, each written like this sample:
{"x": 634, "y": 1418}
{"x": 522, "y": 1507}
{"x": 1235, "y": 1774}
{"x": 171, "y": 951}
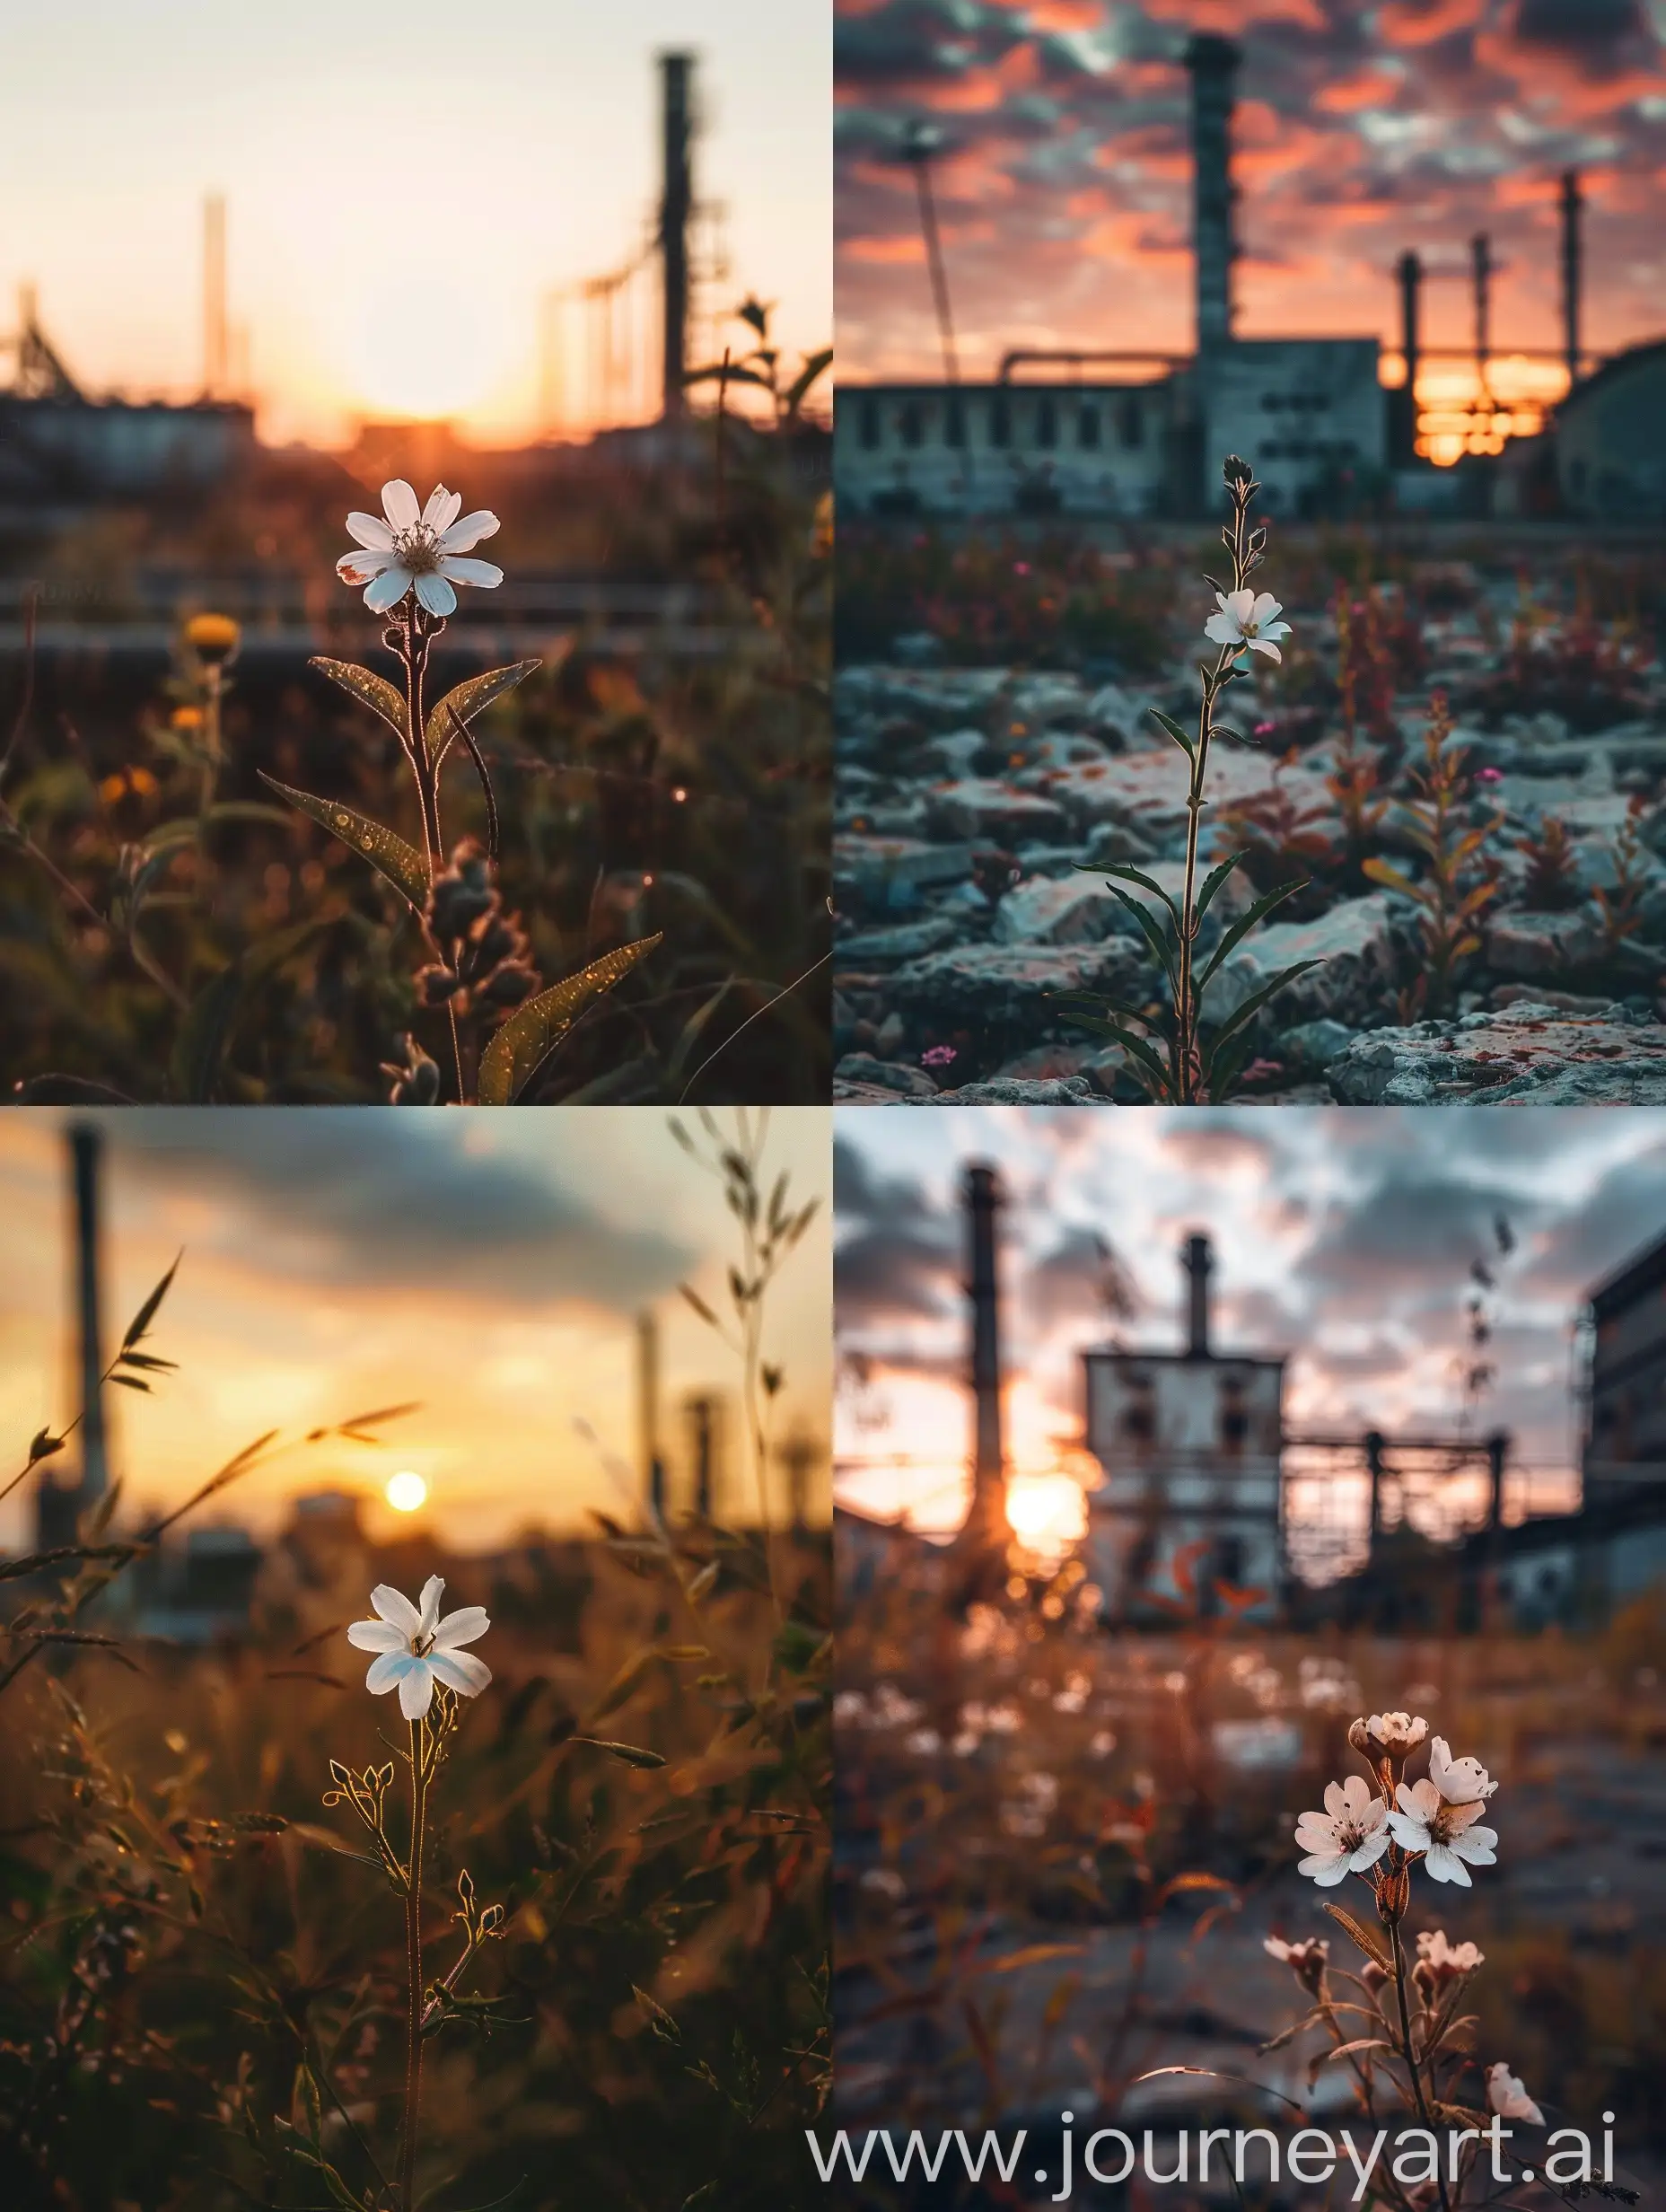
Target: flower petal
{"x": 1444, "y": 1866}
{"x": 370, "y": 530}
{"x": 1222, "y": 629}
{"x": 435, "y": 593}
{"x": 462, "y": 1627}
{"x": 417, "y": 1690}
{"x": 433, "y": 1591}
{"x": 399, "y": 503}
{"x": 395, "y": 1606}
{"x": 464, "y": 571}
{"x": 460, "y": 1671}
{"x": 376, "y": 1636}
{"x": 457, "y": 536}
{"x": 442, "y": 509}
{"x": 358, "y": 569}
{"x": 387, "y": 589}
{"x": 392, "y": 1667}
{"x": 1239, "y": 605}
{"x": 1266, "y": 644}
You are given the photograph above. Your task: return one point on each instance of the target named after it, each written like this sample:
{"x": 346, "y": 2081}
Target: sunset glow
{"x": 406, "y": 1492}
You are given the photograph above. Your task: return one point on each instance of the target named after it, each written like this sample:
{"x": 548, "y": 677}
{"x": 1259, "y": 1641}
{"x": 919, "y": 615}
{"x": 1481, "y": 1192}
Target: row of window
{"x": 1053, "y": 420}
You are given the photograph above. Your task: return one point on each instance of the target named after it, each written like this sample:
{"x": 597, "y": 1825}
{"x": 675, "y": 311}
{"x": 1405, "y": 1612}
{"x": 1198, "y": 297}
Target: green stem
{"x": 413, "y": 1957}
{"x": 1411, "y": 2058}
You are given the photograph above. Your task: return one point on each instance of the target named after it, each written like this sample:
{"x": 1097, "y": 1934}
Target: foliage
{"x": 1452, "y": 889}
{"x": 1551, "y": 883}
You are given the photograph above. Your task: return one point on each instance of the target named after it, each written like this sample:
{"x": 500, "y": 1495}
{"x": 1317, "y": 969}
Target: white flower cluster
{"x": 1436, "y": 1819}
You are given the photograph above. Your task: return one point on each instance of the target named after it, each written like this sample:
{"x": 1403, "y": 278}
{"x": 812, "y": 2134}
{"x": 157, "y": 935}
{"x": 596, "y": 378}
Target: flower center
{"x": 417, "y": 550}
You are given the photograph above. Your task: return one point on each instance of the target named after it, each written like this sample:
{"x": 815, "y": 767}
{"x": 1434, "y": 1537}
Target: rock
{"x": 1354, "y": 943}
{"x": 1005, "y": 995}
{"x": 977, "y": 807}
{"x": 939, "y": 699}
{"x": 1146, "y": 791}
{"x": 1525, "y": 1055}
{"x": 1046, "y": 697}
{"x": 954, "y": 753}
{"x": 1116, "y": 713}
{"x": 918, "y": 649}
{"x": 891, "y": 871}
{"x": 1009, "y": 1091}
{"x": 1309, "y": 1047}
{"x": 1048, "y": 910}
{"x": 906, "y": 941}
{"x": 1541, "y": 945}
{"x": 888, "y": 1075}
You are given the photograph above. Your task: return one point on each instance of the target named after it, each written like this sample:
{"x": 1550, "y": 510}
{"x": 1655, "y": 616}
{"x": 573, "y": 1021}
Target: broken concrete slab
{"x": 1525, "y": 1055}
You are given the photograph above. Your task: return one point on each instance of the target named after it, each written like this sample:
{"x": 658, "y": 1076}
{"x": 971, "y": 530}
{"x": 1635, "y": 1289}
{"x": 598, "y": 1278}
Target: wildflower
{"x": 1461, "y": 1781}
{"x": 417, "y": 549}
{"x": 415, "y": 1649}
{"x": 214, "y": 639}
{"x": 1396, "y": 1732}
{"x": 1506, "y": 2092}
{"x": 1489, "y": 775}
{"x": 1446, "y": 1833}
{"x": 1247, "y": 618}
{"x": 1349, "y": 1835}
{"x": 937, "y": 1056}
{"x": 1307, "y": 1961}
{"x": 1444, "y": 1959}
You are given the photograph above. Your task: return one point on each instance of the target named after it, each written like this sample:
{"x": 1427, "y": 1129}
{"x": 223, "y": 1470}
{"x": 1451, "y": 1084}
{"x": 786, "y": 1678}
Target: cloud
{"x": 360, "y": 1195}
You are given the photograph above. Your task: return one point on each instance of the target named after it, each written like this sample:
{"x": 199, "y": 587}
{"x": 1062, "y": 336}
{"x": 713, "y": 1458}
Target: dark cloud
{"x": 1079, "y": 1278}
{"x": 1584, "y": 26}
{"x": 376, "y": 1194}
{"x": 881, "y": 1274}
{"x": 861, "y": 1195}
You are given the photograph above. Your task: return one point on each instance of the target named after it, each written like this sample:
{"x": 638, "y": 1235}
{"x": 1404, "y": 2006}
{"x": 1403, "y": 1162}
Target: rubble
{"x": 1525, "y": 1055}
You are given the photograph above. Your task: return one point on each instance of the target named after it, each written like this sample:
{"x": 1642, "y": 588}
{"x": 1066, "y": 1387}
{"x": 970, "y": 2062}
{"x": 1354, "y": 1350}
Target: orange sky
{"x": 1064, "y": 176}
{"x": 490, "y": 1266}
{"x": 402, "y": 192}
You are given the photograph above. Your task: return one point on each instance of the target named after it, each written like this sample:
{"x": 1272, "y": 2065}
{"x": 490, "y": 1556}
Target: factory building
{"x": 1124, "y": 432}
{"x": 1191, "y": 1444}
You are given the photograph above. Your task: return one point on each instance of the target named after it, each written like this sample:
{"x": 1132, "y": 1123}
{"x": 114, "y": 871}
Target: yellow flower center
{"x": 417, "y": 550}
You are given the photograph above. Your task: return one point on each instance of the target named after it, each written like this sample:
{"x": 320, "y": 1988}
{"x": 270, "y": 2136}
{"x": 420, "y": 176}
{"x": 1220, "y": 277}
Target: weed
{"x": 1449, "y": 897}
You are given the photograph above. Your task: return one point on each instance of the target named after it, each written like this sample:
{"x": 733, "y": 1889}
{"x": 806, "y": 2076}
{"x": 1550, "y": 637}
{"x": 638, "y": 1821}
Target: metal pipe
{"x": 919, "y": 147}
{"x": 1481, "y": 278}
{"x": 983, "y": 1203}
{"x": 1410, "y": 271}
{"x": 85, "y": 1145}
{"x": 1198, "y": 1266}
{"x": 1573, "y": 204}
{"x": 1214, "y": 66}
{"x": 676, "y": 211}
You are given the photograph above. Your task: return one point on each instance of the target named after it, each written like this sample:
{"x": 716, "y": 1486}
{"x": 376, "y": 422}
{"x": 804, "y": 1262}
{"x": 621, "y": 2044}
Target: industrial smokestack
{"x": 983, "y": 1203}
{"x": 1481, "y": 263}
{"x": 1198, "y": 1266}
{"x": 1214, "y": 65}
{"x": 703, "y": 1413}
{"x": 1573, "y": 204}
{"x": 84, "y": 1145}
{"x": 648, "y": 1411}
{"x": 1410, "y": 271}
{"x": 676, "y": 211}
{"x": 215, "y": 347}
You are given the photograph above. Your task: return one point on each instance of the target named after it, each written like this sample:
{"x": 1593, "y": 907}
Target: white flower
{"x": 1245, "y": 619}
{"x": 1398, "y": 1733}
{"x": 1461, "y": 1781}
{"x": 417, "y": 549}
{"x": 1447, "y": 1959}
{"x": 1349, "y": 1835}
{"x": 1506, "y": 2092}
{"x": 1446, "y": 1833}
{"x": 1308, "y": 1960}
{"x": 417, "y": 1649}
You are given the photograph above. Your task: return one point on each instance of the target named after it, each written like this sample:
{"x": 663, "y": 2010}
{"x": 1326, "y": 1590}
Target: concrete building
{"x": 1609, "y": 444}
{"x": 1191, "y": 1445}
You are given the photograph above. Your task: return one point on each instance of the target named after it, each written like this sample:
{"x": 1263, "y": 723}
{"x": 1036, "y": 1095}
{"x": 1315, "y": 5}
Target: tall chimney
{"x": 983, "y": 1203}
{"x": 1404, "y": 442}
{"x": 1214, "y": 65}
{"x": 1198, "y": 1266}
{"x": 648, "y": 1411}
{"x": 1573, "y": 204}
{"x": 1481, "y": 263}
{"x": 85, "y": 1144}
{"x": 703, "y": 1413}
{"x": 676, "y": 209}
{"x": 216, "y": 350}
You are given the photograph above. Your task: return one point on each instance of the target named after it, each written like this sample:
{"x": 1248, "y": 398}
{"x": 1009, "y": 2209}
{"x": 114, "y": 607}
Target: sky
{"x": 1063, "y": 180}
{"x": 1342, "y": 1239}
{"x": 490, "y": 1266}
{"x": 402, "y": 190}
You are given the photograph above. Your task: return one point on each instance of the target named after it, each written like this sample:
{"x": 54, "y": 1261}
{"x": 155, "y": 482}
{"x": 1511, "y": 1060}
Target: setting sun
{"x": 406, "y": 1492}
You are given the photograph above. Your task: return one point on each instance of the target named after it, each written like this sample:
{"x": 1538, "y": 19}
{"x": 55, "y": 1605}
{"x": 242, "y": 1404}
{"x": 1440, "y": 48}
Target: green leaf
{"x": 525, "y": 1042}
{"x": 798, "y": 390}
{"x": 1368, "y": 1940}
{"x": 1131, "y": 874}
{"x": 372, "y": 691}
{"x": 1252, "y": 1006}
{"x": 1153, "y": 936}
{"x": 1182, "y": 738}
{"x": 1126, "y": 1007}
{"x": 467, "y": 700}
{"x": 1213, "y": 882}
{"x": 1242, "y": 927}
{"x": 402, "y": 864}
{"x": 1146, "y": 1063}
{"x": 1222, "y": 1069}
{"x": 199, "y": 1049}
{"x": 628, "y": 1754}
{"x": 140, "y": 1323}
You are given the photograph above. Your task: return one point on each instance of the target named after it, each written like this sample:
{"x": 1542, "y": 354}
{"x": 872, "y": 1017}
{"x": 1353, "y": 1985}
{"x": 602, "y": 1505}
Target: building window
{"x": 1235, "y": 1426}
{"x": 1087, "y": 429}
{"x": 1137, "y": 1421}
{"x": 1046, "y": 423}
{"x": 868, "y": 425}
{"x": 1131, "y": 421}
{"x": 910, "y": 425}
{"x": 1000, "y": 420}
{"x": 954, "y": 420}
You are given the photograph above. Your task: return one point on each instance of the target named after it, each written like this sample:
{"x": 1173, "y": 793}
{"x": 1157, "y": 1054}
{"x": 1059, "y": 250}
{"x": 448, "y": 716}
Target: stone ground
{"x": 969, "y": 798}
